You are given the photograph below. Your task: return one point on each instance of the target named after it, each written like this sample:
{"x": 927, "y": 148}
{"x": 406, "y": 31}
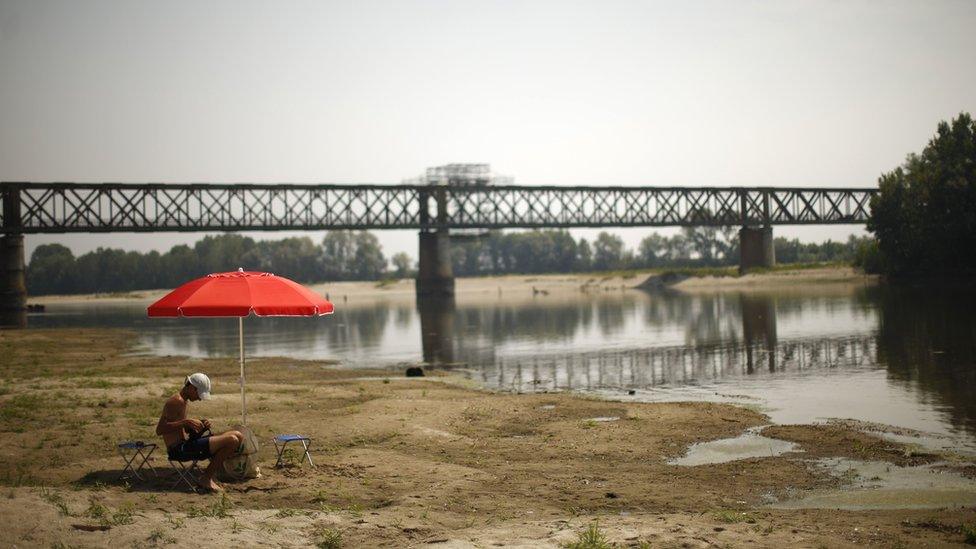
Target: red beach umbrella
{"x": 239, "y": 294}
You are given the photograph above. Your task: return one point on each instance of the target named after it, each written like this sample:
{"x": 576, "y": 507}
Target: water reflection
{"x": 759, "y": 328}
{"x": 13, "y": 319}
{"x": 437, "y": 320}
{"x": 927, "y": 339}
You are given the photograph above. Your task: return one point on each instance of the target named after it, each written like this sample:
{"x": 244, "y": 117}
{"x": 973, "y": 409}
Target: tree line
{"x": 348, "y": 255}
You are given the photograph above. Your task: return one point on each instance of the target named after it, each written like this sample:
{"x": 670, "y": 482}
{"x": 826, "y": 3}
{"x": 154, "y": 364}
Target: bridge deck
{"x": 115, "y": 207}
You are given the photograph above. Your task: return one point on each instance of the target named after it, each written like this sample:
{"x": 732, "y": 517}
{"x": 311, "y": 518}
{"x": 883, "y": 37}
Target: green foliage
{"x": 868, "y": 257}
{"x": 108, "y": 517}
{"x": 343, "y": 255}
{"x": 794, "y": 251}
{"x": 608, "y": 252}
{"x": 591, "y": 538}
{"x": 348, "y": 255}
{"x": 329, "y": 538}
{"x": 220, "y": 508}
{"x": 925, "y": 215}
{"x": 730, "y": 516}
{"x": 402, "y": 265}
{"x": 56, "y": 500}
{"x": 969, "y": 533}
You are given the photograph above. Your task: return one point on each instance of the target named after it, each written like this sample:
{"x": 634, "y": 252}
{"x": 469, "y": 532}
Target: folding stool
{"x": 136, "y": 454}
{"x": 280, "y": 441}
{"x": 186, "y": 474}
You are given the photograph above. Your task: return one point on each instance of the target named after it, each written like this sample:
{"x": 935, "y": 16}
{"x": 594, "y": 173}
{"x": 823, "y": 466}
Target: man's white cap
{"x": 201, "y": 382}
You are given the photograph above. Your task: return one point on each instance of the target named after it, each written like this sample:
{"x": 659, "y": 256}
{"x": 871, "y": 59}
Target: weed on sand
{"x": 591, "y": 538}
{"x": 328, "y": 538}
{"x": 220, "y": 508}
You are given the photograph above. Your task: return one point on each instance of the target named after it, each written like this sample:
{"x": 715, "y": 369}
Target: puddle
{"x": 547, "y": 407}
{"x": 603, "y": 419}
{"x": 783, "y": 408}
{"x": 747, "y": 445}
{"x": 881, "y": 485}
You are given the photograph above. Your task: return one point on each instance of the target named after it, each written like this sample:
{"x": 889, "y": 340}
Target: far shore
{"x": 537, "y": 284}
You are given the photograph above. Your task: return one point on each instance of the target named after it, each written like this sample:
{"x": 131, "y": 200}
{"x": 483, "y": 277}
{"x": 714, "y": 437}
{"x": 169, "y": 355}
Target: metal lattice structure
{"x": 110, "y": 207}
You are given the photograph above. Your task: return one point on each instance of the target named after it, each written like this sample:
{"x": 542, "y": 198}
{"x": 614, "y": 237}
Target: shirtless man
{"x": 175, "y": 427}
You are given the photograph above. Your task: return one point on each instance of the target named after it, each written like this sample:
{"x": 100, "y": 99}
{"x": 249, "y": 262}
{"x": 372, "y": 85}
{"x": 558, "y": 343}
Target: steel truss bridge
{"x": 30, "y": 208}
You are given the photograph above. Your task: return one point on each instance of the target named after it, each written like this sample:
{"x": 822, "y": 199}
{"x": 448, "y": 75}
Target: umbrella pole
{"x": 240, "y": 325}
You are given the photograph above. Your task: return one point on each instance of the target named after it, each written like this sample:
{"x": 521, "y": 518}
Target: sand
{"x": 547, "y": 284}
{"x": 407, "y": 462}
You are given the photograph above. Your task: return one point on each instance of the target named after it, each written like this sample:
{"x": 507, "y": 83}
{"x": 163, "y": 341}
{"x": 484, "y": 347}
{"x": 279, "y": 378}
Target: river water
{"x": 896, "y": 356}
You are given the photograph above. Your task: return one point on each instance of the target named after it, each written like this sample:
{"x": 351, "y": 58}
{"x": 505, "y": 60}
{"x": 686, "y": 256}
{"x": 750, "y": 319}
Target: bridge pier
{"x": 13, "y": 289}
{"x": 756, "y": 248}
{"x": 435, "y": 276}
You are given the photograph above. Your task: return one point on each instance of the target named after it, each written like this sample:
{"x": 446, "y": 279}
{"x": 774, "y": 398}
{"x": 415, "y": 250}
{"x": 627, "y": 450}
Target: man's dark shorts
{"x": 188, "y": 450}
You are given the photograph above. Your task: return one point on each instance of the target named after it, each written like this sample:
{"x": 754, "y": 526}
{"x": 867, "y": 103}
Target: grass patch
{"x": 18, "y": 476}
{"x": 21, "y": 407}
{"x": 220, "y": 508}
{"x": 591, "y": 538}
{"x": 328, "y": 538}
{"x": 157, "y": 537}
{"x": 107, "y": 517}
{"x": 969, "y": 533}
{"x": 56, "y": 500}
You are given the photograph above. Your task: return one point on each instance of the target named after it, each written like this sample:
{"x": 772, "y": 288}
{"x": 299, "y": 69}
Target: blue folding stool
{"x": 136, "y": 454}
{"x": 281, "y": 441}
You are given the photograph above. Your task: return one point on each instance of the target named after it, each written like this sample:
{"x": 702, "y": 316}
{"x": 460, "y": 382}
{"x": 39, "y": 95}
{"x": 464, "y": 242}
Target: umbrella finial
{"x": 240, "y": 269}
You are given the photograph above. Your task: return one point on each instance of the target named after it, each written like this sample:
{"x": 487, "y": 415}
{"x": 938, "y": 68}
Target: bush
{"x": 868, "y": 257}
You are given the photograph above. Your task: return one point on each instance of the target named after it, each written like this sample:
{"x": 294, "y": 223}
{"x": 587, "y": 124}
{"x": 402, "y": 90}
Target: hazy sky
{"x": 602, "y": 93}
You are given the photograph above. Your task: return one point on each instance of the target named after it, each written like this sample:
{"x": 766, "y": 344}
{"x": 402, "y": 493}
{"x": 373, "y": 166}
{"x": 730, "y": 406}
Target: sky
{"x": 564, "y": 93}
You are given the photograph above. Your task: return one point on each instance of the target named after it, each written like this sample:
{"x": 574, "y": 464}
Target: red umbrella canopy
{"x": 238, "y": 294}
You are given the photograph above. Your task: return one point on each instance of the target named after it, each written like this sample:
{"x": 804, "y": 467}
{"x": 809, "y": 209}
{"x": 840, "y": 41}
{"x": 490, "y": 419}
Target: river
{"x": 898, "y": 356}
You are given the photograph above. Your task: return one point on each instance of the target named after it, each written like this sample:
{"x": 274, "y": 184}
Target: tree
{"x": 51, "y": 270}
{"x": 608, "y": 252}
{"x": 924, "y": 216}
{"x": 338, "y": 251}
{"x": 402, "y": 265}
{"x": 584, "y": 256}
{"x": 368, "y": 261}
{"x": 651, "y": 250}
{"x": 222, "y": 253}
{"x": 297, "y": 258}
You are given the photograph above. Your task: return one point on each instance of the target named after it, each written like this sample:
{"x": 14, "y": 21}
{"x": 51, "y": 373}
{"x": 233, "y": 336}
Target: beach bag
{"x": 244, "y": 464}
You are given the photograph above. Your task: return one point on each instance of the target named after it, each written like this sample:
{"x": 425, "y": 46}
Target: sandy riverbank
{"x": 532, "y": 285}
{"x": 408, "y": 462}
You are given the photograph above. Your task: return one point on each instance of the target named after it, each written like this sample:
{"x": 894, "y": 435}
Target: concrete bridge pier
{"x": 756, "y": 248}
{"x": 13, "y": 290}
{"x": 435, "y": 277}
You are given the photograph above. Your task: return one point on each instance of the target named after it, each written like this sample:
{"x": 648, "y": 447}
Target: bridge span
{"x": 35, "y": 208}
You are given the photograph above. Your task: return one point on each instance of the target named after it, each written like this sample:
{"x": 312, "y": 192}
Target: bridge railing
{"x": 115, "y": 207}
